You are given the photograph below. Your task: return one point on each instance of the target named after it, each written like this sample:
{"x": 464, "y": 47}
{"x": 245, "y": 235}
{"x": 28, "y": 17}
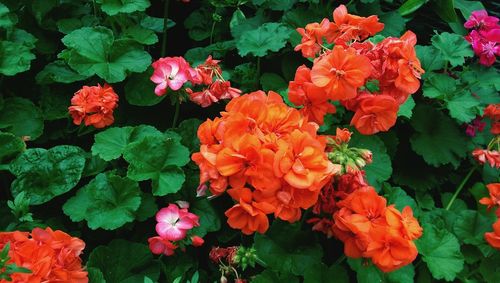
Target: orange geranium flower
{"x": 249, "y": 218}
{"x": 312, "y": 37}
{"x": 303, "y": 92}
{"x": 375, "y": 113}
{"x": 493, "y": 112}
{"x": 493, "y": 238}
{"x": 389, "y": 252}
{"x": 341, "y": 72}
{"x": 51, "y": 256}
{"x": 349, "y": 27}
{"x": 403, "y": 223}
{"x": 494, "y": 199}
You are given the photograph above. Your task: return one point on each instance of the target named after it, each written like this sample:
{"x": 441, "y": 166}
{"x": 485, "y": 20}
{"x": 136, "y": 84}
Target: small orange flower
{"x": 249, "y": 218}
{"x": 341, "y": 72}
{"x": 351, "y": 27}
{"x": 403, "y": 223}
{"x": 494, "y": 199}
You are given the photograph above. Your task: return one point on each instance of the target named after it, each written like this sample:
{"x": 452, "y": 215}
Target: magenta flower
{"x": 480, "y": 20}
{"x": 172, "y": 72}
{"x": 173, "y": 222}
{"x": 486, "y": 45}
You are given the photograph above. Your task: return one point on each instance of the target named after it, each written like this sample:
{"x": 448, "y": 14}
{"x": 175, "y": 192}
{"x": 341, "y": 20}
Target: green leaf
{"x": 470, "y": 227}
{"x": 107, "y": 202}
{"x": 269, "y": 276}
{"x": 406, "y": 109}
{"x": 366, "y": 272}
{"x": 188, "y": 130}
{"x": 111, "y": 143}
{"x": 139, "y": 90}
{"x": 157, "y": 159}
{"x": 7, "y": 19}
{"x": 324, "y": 274}
{"x": 44, "y": 174}
{"x": 380, "y": 169}
{"x": 430, "y": 58}
{"x": 10, "y": 147}
{"x": 463, "y": 107}
{"x": 398, "y": 197}
{"x": 125, "y": 262}
{"x": 258, "y": 42}
{"x": 58, "y": 72}
{"x": 156, "y": 24}
{"x": 95, "y": 51}
{"x": 445, "y": 9}
{"x": 395, "y": 24}
{"x": 54, "y": 104}
{"x": 140, "y": 35}
{"x": 239, "y": 24}
{"x": 437, "y": 138}
{"x": 439, "y": 86}
{"x": 467, "y": 7}
{"x": 275, "y": 5}
{"x": 286, "y": 249}
{"x": 441, "y": 251}
{"x": 411, "y": 6}
{"x": 489, "y": 269}
{"x": 113, "y": 7}
{"x": 453, "y": 47}
{"x": 272, "y": 81}
{"x": 406, "y": 274}
{"x": 95, "y": 275}
{"x": 15, "y": 57}
{"x": 209, "y": 220}
{"x": 147, "y": 209}
{"x": 199, "y": 24}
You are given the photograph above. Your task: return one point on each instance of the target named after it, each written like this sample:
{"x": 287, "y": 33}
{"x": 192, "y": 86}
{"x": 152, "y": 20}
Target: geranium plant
{"x": 249, "y": 141}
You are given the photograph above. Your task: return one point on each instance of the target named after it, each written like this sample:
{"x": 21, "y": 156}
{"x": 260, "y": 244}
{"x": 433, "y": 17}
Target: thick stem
{"x": 165, "y": 27}
{"x": 176, "y": 114}
{"x": 460, "y": 187}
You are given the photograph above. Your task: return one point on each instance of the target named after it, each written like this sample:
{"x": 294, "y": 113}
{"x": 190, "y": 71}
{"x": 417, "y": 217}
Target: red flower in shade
{"x": 482, "y": 156}
{"x": 94, "y": 105}
{"x": 493, "y": 238}
{"x": 493, "y": 112}
{"x": 341, "y": 72}
{"x": 158, "y": 246}
{"x": 375, "y": 113}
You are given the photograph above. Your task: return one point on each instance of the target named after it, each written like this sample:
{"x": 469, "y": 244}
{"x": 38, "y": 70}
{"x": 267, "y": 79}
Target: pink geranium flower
{"x": 480, "y": 20}
{"x": 172, "y": 72}
{"x": 174, "y": 222}
{"x": 486, "y": 45}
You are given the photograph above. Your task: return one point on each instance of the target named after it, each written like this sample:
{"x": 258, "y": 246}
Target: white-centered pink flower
{"x": 174, "y": 222}
{"x": 172, "y": 72}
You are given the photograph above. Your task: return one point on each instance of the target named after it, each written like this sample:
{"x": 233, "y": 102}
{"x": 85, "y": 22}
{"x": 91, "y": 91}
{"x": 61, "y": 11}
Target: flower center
{"x": 337, "y": 72}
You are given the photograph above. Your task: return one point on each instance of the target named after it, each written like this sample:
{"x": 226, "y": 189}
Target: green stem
{"x": 460, "y": 187}
{"x": 212, "y": 32}
{"x": 165, "y": 27}
{"x": 176, "y": 114}
{"x": 340, "y": 260}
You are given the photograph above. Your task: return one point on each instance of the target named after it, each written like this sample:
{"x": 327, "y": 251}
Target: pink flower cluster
{"x": 173, "y": 225}
{"x": 174, "y": 72}
{"x": 484, "y": 37}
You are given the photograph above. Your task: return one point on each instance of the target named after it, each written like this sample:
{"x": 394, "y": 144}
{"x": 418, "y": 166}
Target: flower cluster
{"x": 372, "y": 80}
{"x": 174, "y": 72}
{"x": 174, "y": 223}
{"x": 493, "y": 202}
{"x": 484, "y": 36}
{"x": 352, "y": 211}
{"x": 268, "y": 154}
{"x": 94, "y": 105}
{"x": 476, "y": 125}
{"x": 214, "y": 90}
{"x": 491, "y": 155}
{"x": 51, "y": 256}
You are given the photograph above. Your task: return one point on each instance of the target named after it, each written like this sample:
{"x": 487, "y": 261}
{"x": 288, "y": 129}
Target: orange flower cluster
{"x": 270, "y": 156}
{"x": 493, "y": 238}
{"x": 371, "y": 229}
{"x": 52, "y": 256}
{"x": 342, "y": 73}
{"x": 94, "y": 105}
{"x": 493, "y": 112}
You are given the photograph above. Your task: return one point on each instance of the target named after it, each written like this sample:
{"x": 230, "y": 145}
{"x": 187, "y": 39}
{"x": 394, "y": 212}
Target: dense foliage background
{"x": 52, "y": 171}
